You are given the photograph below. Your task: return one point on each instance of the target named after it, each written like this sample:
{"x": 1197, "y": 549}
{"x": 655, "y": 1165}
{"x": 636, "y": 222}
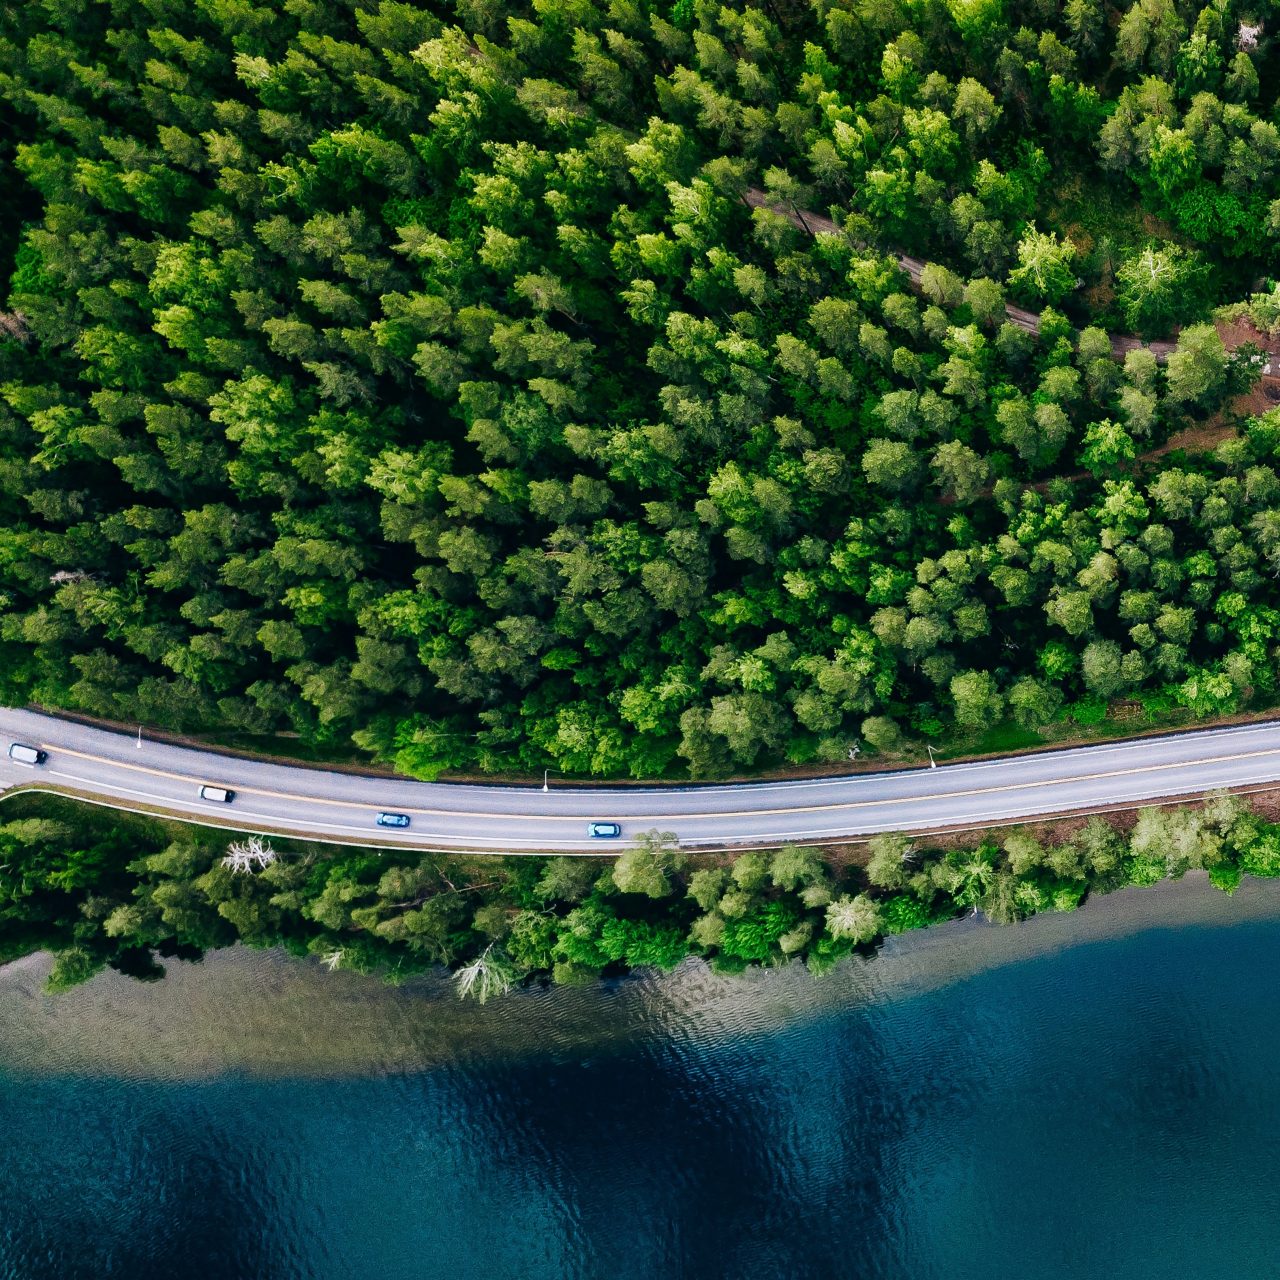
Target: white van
{"x": 220, "y": 795}
{"x": 27, "y": 755}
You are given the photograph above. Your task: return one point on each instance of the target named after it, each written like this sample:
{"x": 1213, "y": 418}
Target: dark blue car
{"x": 393, "y": 819}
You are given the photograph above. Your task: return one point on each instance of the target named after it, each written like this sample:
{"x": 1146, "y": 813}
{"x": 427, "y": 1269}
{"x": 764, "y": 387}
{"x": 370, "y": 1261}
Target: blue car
{"x": 604, "y": 830}
{"x": 393, "y": 819}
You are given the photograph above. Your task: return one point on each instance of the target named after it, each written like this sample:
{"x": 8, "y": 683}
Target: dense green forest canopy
{"x": 421, "y": 375}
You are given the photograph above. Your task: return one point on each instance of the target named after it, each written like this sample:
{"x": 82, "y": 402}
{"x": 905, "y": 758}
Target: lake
{"x": 1078, "y": 1096}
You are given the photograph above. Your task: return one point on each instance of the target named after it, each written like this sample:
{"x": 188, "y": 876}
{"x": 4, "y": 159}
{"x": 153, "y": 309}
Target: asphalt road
{"x": 110, "y": 769}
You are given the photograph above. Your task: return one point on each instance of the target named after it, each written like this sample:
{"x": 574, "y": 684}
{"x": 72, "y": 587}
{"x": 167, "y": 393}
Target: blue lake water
{"x": 1085, "y": 1096}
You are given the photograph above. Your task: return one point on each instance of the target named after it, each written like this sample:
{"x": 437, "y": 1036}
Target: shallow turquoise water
{"x": 1092, "y": 1096}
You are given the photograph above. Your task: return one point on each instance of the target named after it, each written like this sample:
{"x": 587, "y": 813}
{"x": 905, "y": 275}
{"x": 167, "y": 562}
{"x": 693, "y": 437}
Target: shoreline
{"x": 267, "y": 1015}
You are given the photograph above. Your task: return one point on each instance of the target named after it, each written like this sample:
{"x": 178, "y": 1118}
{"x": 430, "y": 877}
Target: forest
{"x": 496, "y": 387}
{"x": 106, "y": 889}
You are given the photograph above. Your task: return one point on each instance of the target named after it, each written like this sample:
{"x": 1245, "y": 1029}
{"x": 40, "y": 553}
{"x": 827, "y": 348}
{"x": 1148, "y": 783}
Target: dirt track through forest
{"x": 806, "y": 220}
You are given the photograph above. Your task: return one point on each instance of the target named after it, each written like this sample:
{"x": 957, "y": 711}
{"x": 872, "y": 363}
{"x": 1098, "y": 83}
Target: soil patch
{"x": 1236, "y": 331}
{"x": 1201, "y": 438}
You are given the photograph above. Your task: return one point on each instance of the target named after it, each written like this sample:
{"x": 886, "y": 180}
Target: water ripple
{"x": 1081, "y": 1096}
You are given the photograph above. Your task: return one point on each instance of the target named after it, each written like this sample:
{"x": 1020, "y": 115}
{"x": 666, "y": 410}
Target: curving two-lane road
{"x": 111, "y": 769}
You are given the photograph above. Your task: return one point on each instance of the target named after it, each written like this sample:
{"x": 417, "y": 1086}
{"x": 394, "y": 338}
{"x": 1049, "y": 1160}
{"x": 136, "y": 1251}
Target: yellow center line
{"x": 675, "y": 817}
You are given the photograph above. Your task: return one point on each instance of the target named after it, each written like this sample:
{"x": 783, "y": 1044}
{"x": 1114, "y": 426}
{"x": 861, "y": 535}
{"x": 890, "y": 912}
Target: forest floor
{"x": 1263, "y": 396}
{"x": 1235, "y": 330}
{"x": 813, "y": 223}
{"x": 1202, "y": 437}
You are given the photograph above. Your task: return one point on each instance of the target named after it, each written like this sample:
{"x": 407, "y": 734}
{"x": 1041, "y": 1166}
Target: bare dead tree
{"x": 489, "y": 974}
{"x": 247, "y": 855}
